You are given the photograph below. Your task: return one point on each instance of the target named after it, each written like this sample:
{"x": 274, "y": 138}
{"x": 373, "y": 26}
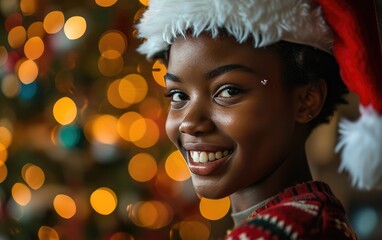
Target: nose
{"x": 197, "y": 120}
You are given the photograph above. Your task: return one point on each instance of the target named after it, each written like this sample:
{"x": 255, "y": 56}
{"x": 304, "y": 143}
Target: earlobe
{"x": 311, "y": 101}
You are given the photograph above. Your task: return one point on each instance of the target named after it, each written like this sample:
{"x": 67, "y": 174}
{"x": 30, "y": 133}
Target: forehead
{"x": 205, "y": 53}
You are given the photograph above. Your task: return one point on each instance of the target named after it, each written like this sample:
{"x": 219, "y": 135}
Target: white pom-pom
{"x": 361, "y": 149}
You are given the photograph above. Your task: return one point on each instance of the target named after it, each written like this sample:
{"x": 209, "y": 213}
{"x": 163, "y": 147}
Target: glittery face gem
{"x": 264, "y": 82}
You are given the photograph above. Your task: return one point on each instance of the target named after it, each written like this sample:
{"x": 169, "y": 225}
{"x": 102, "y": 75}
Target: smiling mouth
{"x": 205, "y": 157}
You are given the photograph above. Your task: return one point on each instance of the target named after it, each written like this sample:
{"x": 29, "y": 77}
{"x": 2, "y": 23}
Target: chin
{"x": 209, "y": 191}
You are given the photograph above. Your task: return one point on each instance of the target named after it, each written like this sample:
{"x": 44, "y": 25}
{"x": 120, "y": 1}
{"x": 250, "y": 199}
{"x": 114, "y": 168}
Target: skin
{"x": 263, "y": 126}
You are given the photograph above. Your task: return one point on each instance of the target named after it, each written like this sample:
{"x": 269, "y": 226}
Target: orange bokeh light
{"x": 75, "y": 27}
{"x": 54, "y": 22}
{"x": 104, "y": 129}
{"x": 105, "y": 3}
{"x": 64, "y": 206}
{"x": 65, "y": 111}
{"x": 34, "y": 48}
{"x": 151, "y": 132}
{"x": 142, "y": 167}
{"x": 28, "y": 71}
{"x": 103, "y": 201}
{"x": 158, "y": 71}
{"x": 214, "y": 209}
{"x": 176, "y": 167}
{"x": 21, "y": 194}
{"x": 17, "y": 37}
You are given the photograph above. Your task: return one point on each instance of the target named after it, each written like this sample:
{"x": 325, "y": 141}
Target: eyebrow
{"x": 215, "y": 72}
{"x": 171, "y": 77}
{"x": 227, "y": 68}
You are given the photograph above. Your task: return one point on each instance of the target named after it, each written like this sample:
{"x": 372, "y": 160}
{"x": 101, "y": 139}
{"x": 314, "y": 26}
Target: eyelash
{"x": 217, "y": 96}
{"x": 227, "y": 88}
{"x": 170, "y": 94}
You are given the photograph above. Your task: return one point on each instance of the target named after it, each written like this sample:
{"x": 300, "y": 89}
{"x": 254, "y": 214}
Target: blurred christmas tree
{"x": 83, "y": 153}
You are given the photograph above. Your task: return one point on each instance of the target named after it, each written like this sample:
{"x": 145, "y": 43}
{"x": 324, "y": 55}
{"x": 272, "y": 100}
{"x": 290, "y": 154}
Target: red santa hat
{"x": 348, "y": 29}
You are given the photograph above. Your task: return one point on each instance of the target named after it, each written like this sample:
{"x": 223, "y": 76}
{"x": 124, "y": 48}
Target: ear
{"x": 311, "y": 99}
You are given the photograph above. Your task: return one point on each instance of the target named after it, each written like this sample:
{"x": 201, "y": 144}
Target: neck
{"x": 293, "y": 170}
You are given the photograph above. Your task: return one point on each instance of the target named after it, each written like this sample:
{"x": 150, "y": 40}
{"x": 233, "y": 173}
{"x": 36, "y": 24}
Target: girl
{"x": 248, "y": 81}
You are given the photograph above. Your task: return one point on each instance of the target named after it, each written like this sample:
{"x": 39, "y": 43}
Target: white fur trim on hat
{"x": 266, "y": 22}
{"x": 361, "y": 149}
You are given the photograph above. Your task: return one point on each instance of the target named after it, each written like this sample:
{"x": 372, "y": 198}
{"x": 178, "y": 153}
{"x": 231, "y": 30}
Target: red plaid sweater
{"x": 305, "y": 211}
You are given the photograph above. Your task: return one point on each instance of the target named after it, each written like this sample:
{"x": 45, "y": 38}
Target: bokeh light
{"x": 75, "y": 27}
{"x": 8, "y": 6}
{"x": 65, "y": 206}
{"x": 365, "y": 222}
{"x": 150, "y": 133}
{"x": 10, "y": 86}
{"x": 54, "y": 22}
{"x": 151, "y": 214}
{"x": 103, "y": 201}
{"x": 33, "y": 175}
{"x": 158, "y": 71}
{"x": 112, "y": 40}
{"x": 28, "y": 71}
{"x": 114, "y": 97}
{"x": 28, "y": 7}
{"x": 13, "y": 20}
{"x": 65, "y": 110}
{"x": 144, "y": 2}
{"x": 3, "y": 171}
{"x": 47, "y": 233}
{"x": 125, "y": 123}
{"x": 21, "y": 194}
{"x": 105, "y": 3}
{"x": 17, "y": 37}
{"x": 176, "y": 167}
{"x": 142, "y": 167}
{"x": 138, "y": 129}
{"x": 191, "y": 229}
{"x": 214, "y": 209}
{"x": 36, "y": 29}
{"x": 104, "y": 129}
{"x": 34, "y": 48}
{"x": 3, "y": 153}
{"x": 69, "y": 136}
{"x": 28, "y": 91}
{"x": 133, "y": 88}
{"x": 5, "y": 137}
{"x": 110, "y": 63}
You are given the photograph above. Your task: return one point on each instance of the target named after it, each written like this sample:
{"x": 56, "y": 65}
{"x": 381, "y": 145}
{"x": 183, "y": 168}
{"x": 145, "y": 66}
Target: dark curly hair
{"x": 306, "y": 65}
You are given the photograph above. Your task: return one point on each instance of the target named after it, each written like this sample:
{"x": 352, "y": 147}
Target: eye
{"x": 176, "y": 96}
{"x": 228, "y": 92}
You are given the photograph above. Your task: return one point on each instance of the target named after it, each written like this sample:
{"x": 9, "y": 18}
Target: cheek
{"x": 264, "y": 127}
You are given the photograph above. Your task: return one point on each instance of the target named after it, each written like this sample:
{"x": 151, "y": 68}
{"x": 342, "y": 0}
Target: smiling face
{"x": 230, "y": 116}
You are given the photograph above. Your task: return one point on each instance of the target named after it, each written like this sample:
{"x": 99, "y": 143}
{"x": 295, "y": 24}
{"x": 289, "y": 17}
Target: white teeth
{"x": 195, "y": 156}
{"x": 203, "y": 157}
{"x": 211, "y": 156}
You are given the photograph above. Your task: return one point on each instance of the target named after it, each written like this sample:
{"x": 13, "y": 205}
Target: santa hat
{"x": 346, "y": 29}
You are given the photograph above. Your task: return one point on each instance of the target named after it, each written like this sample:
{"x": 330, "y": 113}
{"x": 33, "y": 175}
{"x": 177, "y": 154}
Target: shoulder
{"x": 302, "y": 217}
